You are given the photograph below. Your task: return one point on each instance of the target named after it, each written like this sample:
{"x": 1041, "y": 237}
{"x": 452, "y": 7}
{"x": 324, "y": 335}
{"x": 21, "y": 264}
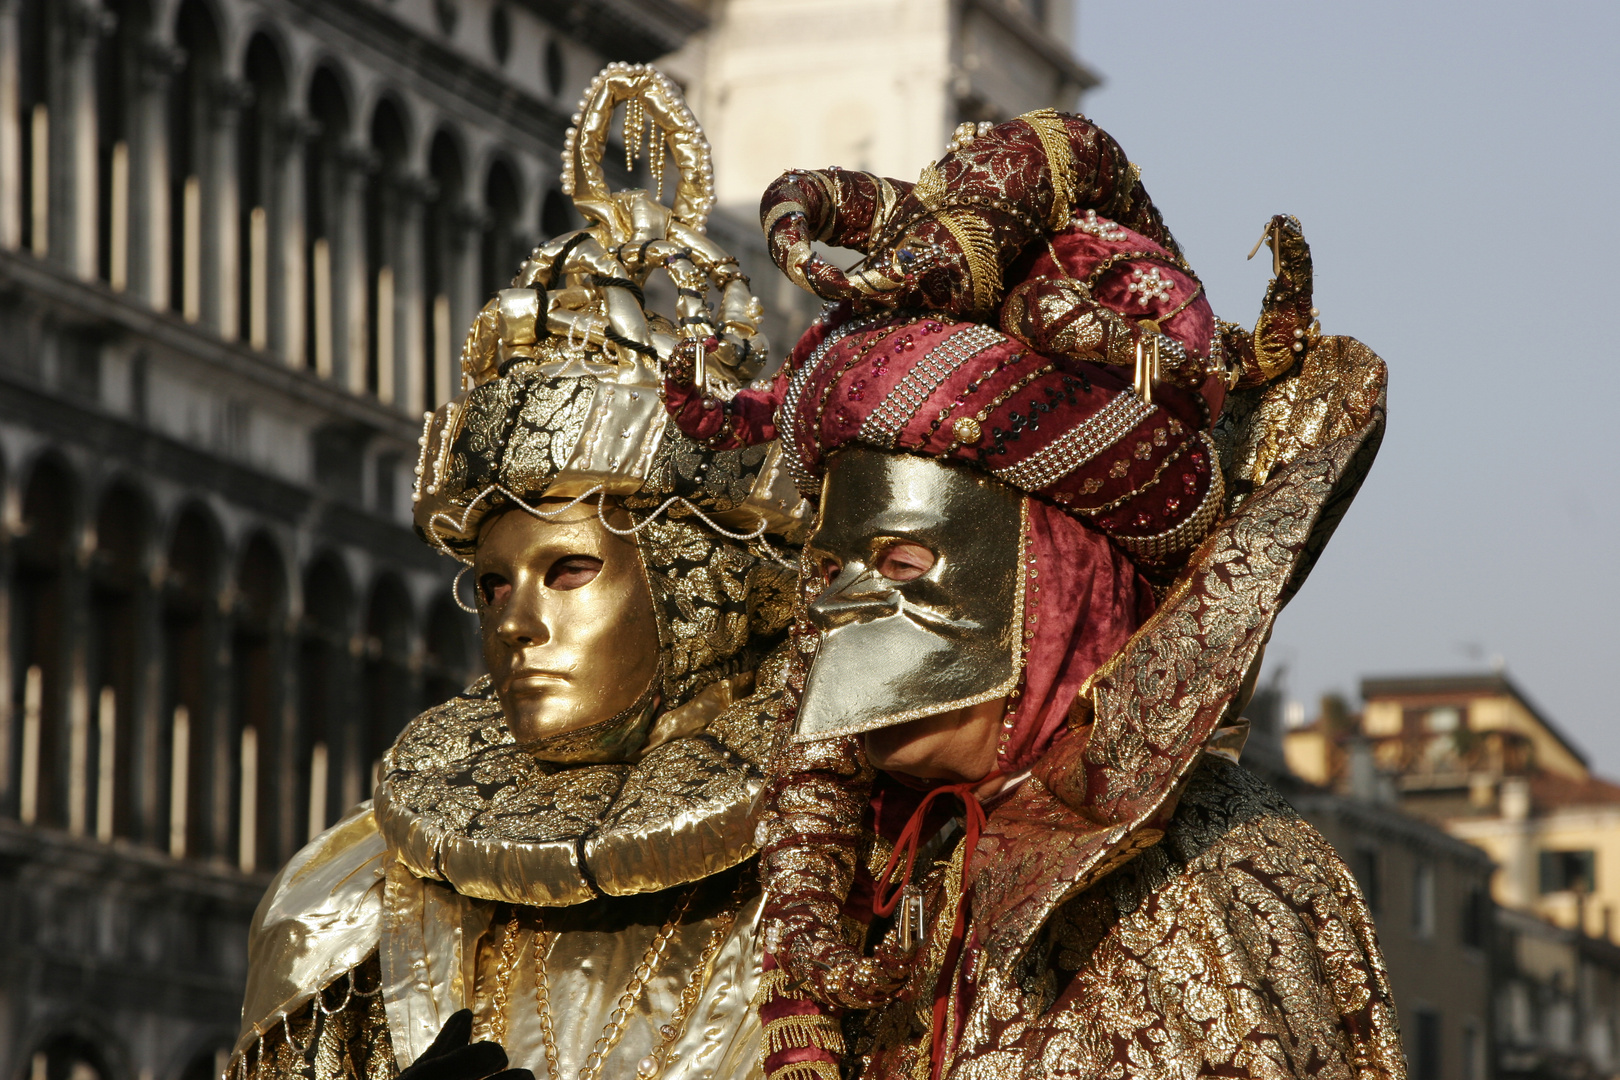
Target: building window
{"x": 1445, "y": 719}
{"x": 1473, "y": 1050}
{"x": 1476, "y": 918}
{"x": 1425, "y": 1059}
{"x": 1364, "y": 864}
{"x": 1423, "y": 899}
{"x": 1568, "y": 871}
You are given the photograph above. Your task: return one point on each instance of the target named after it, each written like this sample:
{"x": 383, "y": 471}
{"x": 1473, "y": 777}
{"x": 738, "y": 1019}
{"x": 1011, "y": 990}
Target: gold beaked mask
{"x": 894, "y": 651}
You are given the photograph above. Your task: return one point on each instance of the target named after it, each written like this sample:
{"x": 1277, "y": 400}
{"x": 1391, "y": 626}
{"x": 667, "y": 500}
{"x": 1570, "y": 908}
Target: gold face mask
{"x": 569, "y": 634}
{"x": 891, "y": 650}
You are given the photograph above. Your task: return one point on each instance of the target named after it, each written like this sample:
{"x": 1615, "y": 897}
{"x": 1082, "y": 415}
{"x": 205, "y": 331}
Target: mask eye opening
{"x": 899, "y": 559}
{"x": 493, "y": 589}
{"x": 572, "y": 572}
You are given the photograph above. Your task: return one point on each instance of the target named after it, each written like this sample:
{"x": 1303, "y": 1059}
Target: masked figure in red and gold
{"x": 1060, "y": 509}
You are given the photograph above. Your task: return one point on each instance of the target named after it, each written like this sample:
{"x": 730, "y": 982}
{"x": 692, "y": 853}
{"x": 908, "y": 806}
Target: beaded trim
{"x": 787, "y": 426}
{"x": 883, "y": 427}
{"x": 1173, "y": 541}
{"x": 1078, "y": 445}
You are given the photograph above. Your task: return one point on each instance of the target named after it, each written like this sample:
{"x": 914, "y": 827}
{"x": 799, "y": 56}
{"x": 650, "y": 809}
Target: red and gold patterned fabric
{"x": 1091, "y": 380}
{"x": 1136, "y": 906}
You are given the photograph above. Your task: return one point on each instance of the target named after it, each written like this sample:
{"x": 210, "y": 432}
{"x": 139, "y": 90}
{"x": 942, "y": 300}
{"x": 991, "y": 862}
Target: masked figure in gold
{"x": 555, "y": 874}
{"x": 1060, "y": 508}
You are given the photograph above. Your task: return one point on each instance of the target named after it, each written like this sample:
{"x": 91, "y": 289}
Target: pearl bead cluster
{"x": 1300, "y": 334}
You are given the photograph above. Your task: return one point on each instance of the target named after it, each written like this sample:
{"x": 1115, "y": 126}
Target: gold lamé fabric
{"x": 319, "y": 919}
{"x": 468, "y": 828}
{"x": 893, "y": 651}
{"x": 374, "y": 1020}
{"x": 462, "y": 803}
{"x": 1237, "y": 946}
{"x": 590, "y": 963}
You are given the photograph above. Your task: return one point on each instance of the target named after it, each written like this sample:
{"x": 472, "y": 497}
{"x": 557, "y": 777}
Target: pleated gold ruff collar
{"x": 461, "y": 802}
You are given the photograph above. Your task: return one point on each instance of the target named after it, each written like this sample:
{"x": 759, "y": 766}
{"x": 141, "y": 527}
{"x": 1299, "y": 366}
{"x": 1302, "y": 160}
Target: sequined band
{"x": 1173, "y": 541}
{"x": 890, "y": 418}
{"x": 787, "y": 426}
{"x": 1078, "y": 445}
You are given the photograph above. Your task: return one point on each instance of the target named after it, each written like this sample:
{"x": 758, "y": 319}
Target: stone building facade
{"x": 239, "y": 243}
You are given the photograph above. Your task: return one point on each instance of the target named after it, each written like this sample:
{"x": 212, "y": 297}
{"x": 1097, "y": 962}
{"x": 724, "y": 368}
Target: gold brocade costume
{"x": 1239, "y": 945}
{"x": 1137, "y": 905}
{"x": 588, "y": 893}
{"x": 356, "y": 962}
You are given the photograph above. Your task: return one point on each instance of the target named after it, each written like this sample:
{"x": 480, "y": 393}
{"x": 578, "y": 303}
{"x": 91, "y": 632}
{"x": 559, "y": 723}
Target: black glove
{"x": 452, "y": 1058}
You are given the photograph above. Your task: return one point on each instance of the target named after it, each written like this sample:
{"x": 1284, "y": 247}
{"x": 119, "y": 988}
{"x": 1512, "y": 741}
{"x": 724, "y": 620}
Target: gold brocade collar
{"x": 461, "y": 802}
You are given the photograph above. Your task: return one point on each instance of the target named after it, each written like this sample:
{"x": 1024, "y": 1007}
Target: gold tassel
{"x": 930, "y": 189}
{"x": 806, "y": 1070}
{"x": 802, "y": 1031}
{"x": 655, "y": 159}
{"x": 771, "y": 982}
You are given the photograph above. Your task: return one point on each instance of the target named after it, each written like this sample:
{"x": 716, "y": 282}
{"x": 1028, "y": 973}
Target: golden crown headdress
{"x": 561, "y": 372}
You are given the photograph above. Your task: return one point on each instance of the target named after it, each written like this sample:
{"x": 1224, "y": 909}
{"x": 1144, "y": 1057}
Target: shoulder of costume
{"x": 1296, "y": 451}
{"x": 320, "y": 918}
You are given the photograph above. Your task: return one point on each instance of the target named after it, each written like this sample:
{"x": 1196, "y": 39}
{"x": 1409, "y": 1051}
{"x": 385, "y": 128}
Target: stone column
{"x": 466, "y": 291}
{"x": 71, "y": 711}
{"x": 149, "y": 268}
{"x": 9, "y": 718}
{"x": 349, "y": 278}
{"x": 145, "y": 713}
{"x": 410, "y": 306}
{"x": 279, "y": 749}
{"x": 222, "y": 214}
{"x": 74, "y": 146}
{"x": 11, "y": 185}
{"x": 288, "y": 243}
{"x": 219, "y": 765}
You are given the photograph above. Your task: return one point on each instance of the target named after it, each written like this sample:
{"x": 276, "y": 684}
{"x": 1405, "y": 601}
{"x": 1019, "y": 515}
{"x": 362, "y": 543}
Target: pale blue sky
{"x": 1455, "y": 167}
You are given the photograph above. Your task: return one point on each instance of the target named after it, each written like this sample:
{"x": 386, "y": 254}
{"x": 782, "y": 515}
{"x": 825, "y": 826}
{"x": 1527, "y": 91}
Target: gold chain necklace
{"x": 650, "y": 1066}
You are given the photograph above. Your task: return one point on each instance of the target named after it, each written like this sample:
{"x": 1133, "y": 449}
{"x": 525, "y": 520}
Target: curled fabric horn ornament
{"x": 944, "y": 243}
{"x": 998, "y": 320}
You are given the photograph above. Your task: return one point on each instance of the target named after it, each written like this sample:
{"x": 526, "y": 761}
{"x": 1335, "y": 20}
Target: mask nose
{"x": 523, "y": 623}
{"x": 856, "y": 595}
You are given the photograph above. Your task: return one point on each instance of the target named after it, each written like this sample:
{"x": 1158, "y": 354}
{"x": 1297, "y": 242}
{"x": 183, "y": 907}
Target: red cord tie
{"x": 908, "y": 842}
